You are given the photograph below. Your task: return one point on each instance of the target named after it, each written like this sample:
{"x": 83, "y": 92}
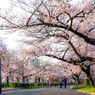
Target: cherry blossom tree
{"x": 69, "y": 25}
{"x": 8, "y": 65}
{"x": 74, "y": 72}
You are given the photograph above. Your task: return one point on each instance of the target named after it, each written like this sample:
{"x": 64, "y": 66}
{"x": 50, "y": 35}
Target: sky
{"x": 4, "y": 3}
{"x": 11, "y": 39}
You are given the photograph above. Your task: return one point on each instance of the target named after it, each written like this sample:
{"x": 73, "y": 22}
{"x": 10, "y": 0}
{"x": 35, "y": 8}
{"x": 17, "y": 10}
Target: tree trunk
{"x": 39, "y": 80}
{"x": 17, "y": 79}
{"x": 90, "y": 79}
{"x": 42, "y": 82}
{"x": 76, "y": 78}
{"x": 23, "y": 79}
{"x": 35, "y": 79}
{"x": 7, "y": 81}
{"x": 27, "y": 80}
{"x": 89, "y": 76}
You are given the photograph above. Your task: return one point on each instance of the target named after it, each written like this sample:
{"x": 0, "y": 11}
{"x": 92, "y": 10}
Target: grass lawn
{"x": 88, "y": 89}
{"x": 81, "y": 85}
{"x": 84, "y": 88}
{"x": 78, "y": 86}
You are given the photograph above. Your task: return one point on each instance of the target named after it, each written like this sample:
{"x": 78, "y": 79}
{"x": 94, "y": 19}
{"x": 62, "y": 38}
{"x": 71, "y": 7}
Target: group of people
{"x": 61, "y": 81}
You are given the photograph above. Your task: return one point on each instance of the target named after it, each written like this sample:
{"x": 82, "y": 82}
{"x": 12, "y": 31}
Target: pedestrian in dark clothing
{"x": 60, "y": 81}
{"x": 65, "y": 82}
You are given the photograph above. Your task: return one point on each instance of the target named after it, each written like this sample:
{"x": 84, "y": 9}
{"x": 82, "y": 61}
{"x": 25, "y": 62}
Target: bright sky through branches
{"x": 4, "y": 3}
{"x": 10, "y": 41}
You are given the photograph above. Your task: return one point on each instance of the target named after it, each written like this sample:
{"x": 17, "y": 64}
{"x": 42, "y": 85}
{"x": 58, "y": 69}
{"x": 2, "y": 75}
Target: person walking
{"x": 65, "y": 82}
{"x": 50, "y": 83}
{"x": 60, "y": 81}
{"x": 47, "y": 83}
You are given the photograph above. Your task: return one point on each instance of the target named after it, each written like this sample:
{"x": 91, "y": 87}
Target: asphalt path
{"x": 42, "y": 91}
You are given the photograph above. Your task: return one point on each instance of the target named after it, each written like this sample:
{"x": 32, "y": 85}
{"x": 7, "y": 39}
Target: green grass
{"x": 78, "y": 86}
{"x": 85, "y": 88}
{"x": 81, "y": 85}
{"x": 88, "y": 89}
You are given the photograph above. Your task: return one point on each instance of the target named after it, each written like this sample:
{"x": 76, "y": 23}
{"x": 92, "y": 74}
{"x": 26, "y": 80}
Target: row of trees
{"x": 59, "y": 29}
{"x": 16, "y": 65}
{"x": 22, "y": 69}
{"x": 15, "y": 69}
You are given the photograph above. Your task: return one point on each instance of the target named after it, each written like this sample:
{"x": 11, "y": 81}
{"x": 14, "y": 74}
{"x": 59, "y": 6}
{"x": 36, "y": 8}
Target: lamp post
{"x": 0, "y": 76}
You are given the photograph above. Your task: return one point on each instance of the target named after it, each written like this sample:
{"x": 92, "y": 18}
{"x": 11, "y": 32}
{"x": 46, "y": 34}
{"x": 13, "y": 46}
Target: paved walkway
{"x": 42, "y": 91}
